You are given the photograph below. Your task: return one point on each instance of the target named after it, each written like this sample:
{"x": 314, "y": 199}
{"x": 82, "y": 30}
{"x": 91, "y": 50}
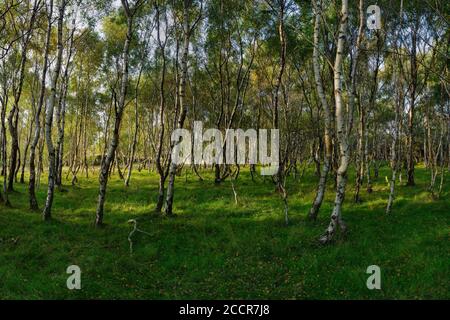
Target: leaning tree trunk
{"x": 109, "y": 158}
{"x": 314, "y": 211}
{"x": 37, "y": 116}
{"x": 13, "y": 117}
{"x": 46, "y": 213}
{"x": 336, "y": 217}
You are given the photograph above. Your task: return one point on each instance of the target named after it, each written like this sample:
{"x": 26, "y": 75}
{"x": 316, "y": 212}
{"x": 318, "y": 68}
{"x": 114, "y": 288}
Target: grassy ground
{"x": 214, "y": 249}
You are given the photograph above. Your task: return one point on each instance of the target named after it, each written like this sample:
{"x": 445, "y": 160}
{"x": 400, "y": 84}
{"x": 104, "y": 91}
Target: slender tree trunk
{"x": 394, "y": 161}
{"x": 61, "y": 126}
{"x": 367, "y": 160}
{"x": 40, "y": 157}
{"x": 425, "y": 147}
{"x": 413, "y": 62}
{"x": 19, "y": 162}
{"x": 46, "y": 213}
{"x": 32, "y": 180}
{"x": 428, "y": 149}
{"x": 162, "y": 103}
{"x": 109, "y": 158}
{"x": 25, "y": 153}
{"x": 435, "y": 157}
{"x": 136, "y": 132}
{"x": 12, "y": 124}
{"x": 61, "y": 114}
{"x": 314, "y": 211}
{"x": 281, "y": 173}
{"x": 336, "y": 216}
{"x": 13, "y": 117}
{"x": 283, "y": 44}
{"x": 399, "y": 105}
{"x": 2, "y": 199}
{"x": 360, "y": 163}
{"x": 3, "y": 142}
{"x": 183, "y": 105}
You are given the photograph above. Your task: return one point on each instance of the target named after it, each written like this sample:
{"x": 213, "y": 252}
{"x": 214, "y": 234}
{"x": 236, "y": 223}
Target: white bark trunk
{"x": 328, "y": 119}
{"x": 183, "y": 106}
{"x": 395, "y": 154}
{"x": 46, "y": 213}
{"x": 336, "y": 217}
{"x": 109, "y": 158}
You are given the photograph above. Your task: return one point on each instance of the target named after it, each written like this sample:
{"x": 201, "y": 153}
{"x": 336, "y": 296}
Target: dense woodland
{"x": 95, "y": 88}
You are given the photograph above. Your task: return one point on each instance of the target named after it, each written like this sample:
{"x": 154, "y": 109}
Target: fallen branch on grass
{"x": 135, "y": 229}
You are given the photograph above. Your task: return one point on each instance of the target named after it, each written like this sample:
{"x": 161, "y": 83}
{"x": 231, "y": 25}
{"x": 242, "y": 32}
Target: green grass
{"x": 214, "y": 249}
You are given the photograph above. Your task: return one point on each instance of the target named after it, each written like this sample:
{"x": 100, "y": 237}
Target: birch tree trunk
{"x": 13, "y": 117}
{"x": 372, "y": 105}
{"x": 114, "y": 142}
{"x": 3, "y": 142}
{"x": 136, "y": 131}
{"x": 187, "y": 30}
{"x": 336, "y": 217}
{"x": 3, "y": 160}
{"x": 61, "y": 113}
{"x": 360, "y": 160}
{"x": 31, "y": 125}
{"x": 41, "y": 157}
{"x": 314, "y": 211}
{"x": 282, "y": 38}
{"x": 46, "y": 213}
{"x": 162, "y": 104}
{"x": 395, "y": 152}
{"x": 362, "y": 166}
{"x": 413, "y": 88}
{"x": 394, "y": 161}
{"x": 352, "y": 92}
{"x": 25, "y": 153}
{"x": 32, "y": 180}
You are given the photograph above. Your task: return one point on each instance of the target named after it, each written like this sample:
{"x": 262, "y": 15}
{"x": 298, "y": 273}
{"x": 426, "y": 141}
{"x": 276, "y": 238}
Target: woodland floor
{"x": 214, "y": 249}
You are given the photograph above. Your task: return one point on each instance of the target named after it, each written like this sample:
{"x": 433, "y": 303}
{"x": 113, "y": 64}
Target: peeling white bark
{"x": 336, "y": 217}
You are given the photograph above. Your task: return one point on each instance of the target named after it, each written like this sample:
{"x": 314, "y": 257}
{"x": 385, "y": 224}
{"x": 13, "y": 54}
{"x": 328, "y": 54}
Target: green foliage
{"x": 218, "y": 250}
